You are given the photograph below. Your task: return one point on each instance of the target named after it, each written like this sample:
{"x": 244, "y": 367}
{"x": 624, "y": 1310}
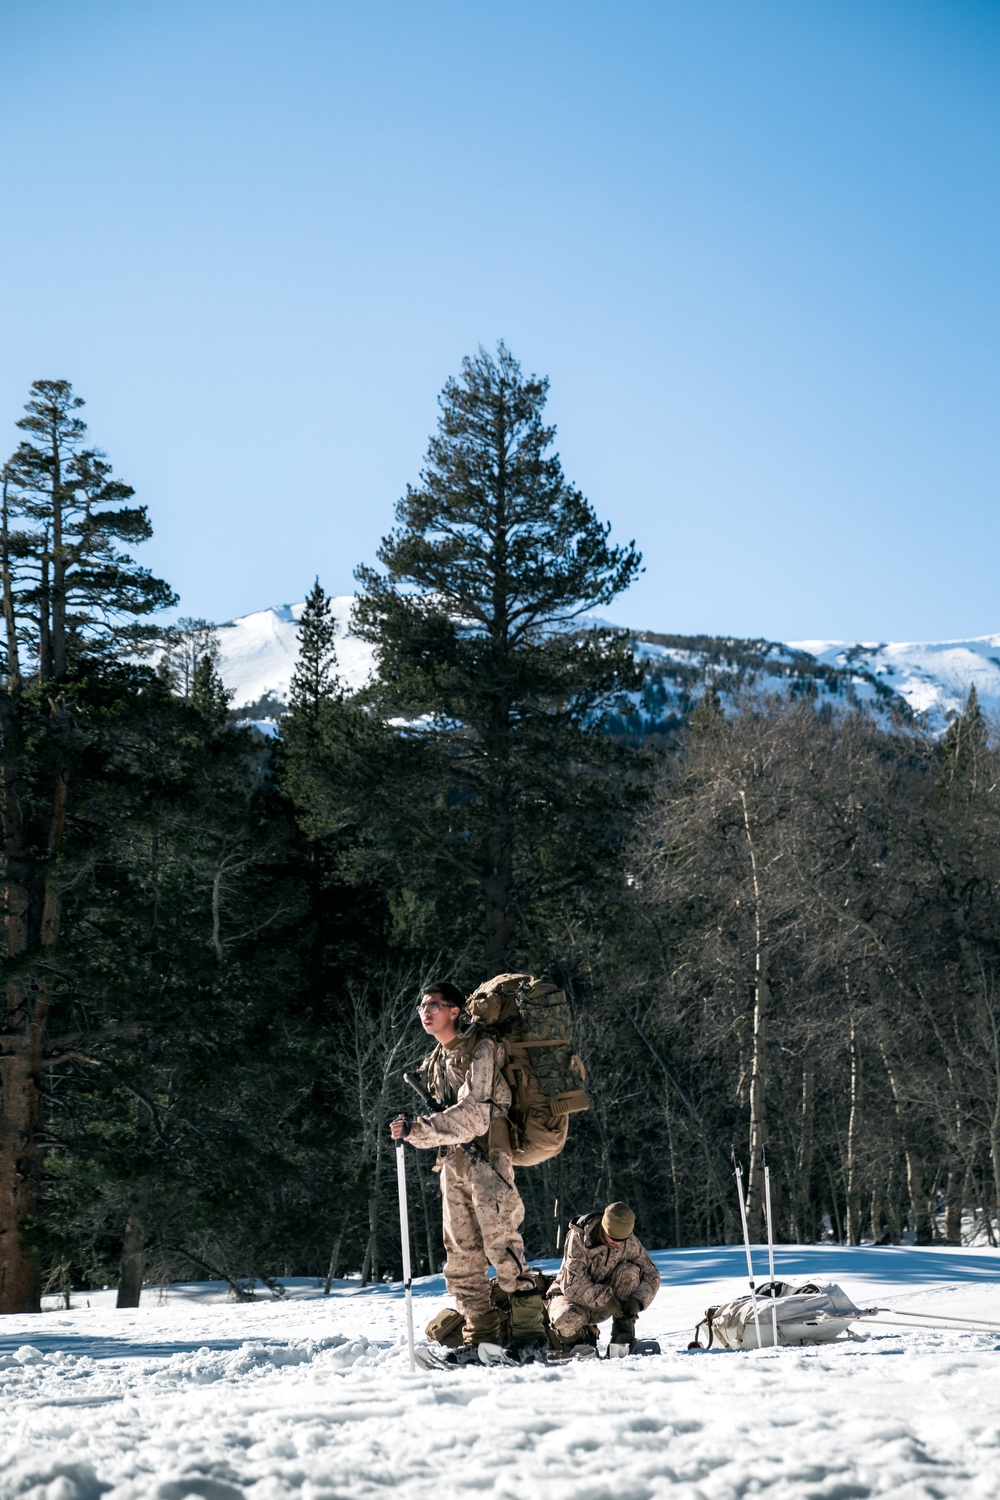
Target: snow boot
{"x": 622, "y": 1337}
{"x": 483, "y": 1328}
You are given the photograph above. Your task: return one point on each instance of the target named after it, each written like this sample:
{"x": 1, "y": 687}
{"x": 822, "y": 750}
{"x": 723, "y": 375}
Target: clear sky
{"x": 754, "y": 243}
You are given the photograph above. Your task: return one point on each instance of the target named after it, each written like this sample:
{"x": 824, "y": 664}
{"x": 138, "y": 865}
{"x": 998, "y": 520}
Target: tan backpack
{"x": 545, "y": 1076}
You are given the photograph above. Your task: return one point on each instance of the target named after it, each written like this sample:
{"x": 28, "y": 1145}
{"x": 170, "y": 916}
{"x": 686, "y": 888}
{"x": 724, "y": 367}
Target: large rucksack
{"x": 545, "y": 1076}
{"x": 811, "y": 1314}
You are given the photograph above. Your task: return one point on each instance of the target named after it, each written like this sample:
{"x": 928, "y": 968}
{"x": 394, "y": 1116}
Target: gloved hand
{"x": 631, "y": 1307}
{"x": 613, "y": 1306}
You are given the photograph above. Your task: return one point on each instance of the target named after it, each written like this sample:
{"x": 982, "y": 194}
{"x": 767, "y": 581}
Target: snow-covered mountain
{"x": 933, "y": 677}
{"x": 930, "y": 678}
{"x": 259, "y": 652}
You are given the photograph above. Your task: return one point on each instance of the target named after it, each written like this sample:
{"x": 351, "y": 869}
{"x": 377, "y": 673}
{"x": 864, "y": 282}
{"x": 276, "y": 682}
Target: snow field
{"x": 313, "y": 1397}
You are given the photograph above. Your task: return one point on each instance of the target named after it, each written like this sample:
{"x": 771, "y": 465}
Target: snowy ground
{"x": 192, "y": 1395}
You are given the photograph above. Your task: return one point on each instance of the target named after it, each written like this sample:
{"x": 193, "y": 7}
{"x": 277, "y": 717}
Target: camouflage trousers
{"x": 569, "y": 1319}
{"x": 480, "y": 1219}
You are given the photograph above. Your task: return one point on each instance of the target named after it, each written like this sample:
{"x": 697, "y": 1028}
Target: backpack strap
{"x": 497, "y": 1136}
{"x": 705, "y": 1323}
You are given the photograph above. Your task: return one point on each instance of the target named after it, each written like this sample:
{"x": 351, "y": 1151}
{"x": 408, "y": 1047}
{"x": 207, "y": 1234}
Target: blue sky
{"x": 755, "y": 244}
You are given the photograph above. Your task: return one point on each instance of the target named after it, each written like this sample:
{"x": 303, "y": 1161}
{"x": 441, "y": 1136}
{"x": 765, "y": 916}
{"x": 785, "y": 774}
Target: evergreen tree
{"x": 75, "y": 609}
{"x": 77, "y": 592}
{"x": 314, "y": 680}
{"x": 209, "y": 695}
{"x": 963, "y": 750}
{"x": 203, "y": 1139}
{"x": 507, "y": 791}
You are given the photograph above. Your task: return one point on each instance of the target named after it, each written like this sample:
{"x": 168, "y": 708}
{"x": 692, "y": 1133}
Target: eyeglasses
{"x": 429, "y": 1007}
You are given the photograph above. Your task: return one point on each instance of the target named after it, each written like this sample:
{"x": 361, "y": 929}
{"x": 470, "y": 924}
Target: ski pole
{"x": 404, "y": 1236}
{"x": 746, "y": 1241}
{"x": 770, "y": 1252}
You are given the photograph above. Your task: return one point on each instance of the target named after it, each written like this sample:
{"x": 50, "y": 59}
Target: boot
{"x": 527, "y": 1326}
{"x": 483, "y": 1328}
{"x": 622, "y": 1337}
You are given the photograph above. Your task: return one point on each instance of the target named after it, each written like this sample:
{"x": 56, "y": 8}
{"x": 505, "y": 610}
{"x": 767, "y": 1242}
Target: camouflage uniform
{"x": 595, "y": 1278}
{"x": 481, "y": 1208}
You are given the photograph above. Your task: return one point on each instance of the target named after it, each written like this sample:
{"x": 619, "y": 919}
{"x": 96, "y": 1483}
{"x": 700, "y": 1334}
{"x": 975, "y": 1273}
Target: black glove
{"x": 631, "y": 1307}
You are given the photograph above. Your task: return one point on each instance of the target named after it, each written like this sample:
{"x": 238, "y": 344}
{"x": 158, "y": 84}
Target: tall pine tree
{"x": 503, "y": 788}
{"x": 75, "y": 609}
{"x": 314, "y": 680}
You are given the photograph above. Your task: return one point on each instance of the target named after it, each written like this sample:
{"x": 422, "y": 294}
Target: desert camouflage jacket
{"x": 588, "y": 1265}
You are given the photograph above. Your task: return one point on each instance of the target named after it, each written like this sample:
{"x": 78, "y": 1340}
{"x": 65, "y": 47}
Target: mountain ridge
{"x": 927, "y": 681}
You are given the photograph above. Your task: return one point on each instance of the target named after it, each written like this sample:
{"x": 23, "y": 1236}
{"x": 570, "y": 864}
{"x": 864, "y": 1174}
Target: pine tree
{"x": 75, "y": 609}
{"x": 77, "y": 592}
{"x": 963, "y": 749}
{"x": 508, "y": 790}
{"x": 209, "y": 695}
{"x": 314, "y": 680}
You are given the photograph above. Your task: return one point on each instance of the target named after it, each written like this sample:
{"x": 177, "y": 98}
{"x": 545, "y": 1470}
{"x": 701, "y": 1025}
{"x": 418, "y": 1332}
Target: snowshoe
{"x": 637, "y": 1346}
{"x": 431, "y": 1359}
{"x": 527, "y": 1352}
{"x": 494, "y": 1354}
{"x": 469, "y": 1354}
{"x": 451, "y": 1359}
{"x": 571, "y": 1351}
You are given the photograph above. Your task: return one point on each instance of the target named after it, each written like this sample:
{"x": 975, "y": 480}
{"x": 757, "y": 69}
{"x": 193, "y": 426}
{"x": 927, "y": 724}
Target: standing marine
{"x": 481, "y": 1209}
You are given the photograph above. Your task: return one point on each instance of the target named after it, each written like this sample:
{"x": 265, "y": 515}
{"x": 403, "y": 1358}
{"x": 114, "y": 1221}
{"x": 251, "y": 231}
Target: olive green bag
{"x": 545, "y": 1075}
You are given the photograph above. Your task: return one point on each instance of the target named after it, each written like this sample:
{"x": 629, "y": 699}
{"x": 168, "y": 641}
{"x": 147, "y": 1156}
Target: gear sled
{"x": 814, "y": 1313}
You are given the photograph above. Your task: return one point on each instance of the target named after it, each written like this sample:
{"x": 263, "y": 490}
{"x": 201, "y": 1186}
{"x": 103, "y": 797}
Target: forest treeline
{"x": 778, "y": 925}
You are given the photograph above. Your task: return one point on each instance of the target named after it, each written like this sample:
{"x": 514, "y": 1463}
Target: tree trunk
{"x": 881, "y": 1233}
{"x": 433, "y": 1239}
{"x": 133, "y": 1261}
{"x": 853, "y": 1206}
{"x": 20, "y": 1070}
{"x": 372, "y": 1267}
{"x": 953, "y": 1207}
{"x": 331, "y": 1270}
{"x": 758, "y": 1072}
{"x": 804, "y": 1159}
{"x": 497, "y": 898}
{"x": 919, "y": 1213}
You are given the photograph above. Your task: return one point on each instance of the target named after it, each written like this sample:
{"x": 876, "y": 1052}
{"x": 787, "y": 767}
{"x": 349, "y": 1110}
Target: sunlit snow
{"x": 933, "y": 676}
{"x": 259, "y": 652}
{"x": 192, "y": 1395}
